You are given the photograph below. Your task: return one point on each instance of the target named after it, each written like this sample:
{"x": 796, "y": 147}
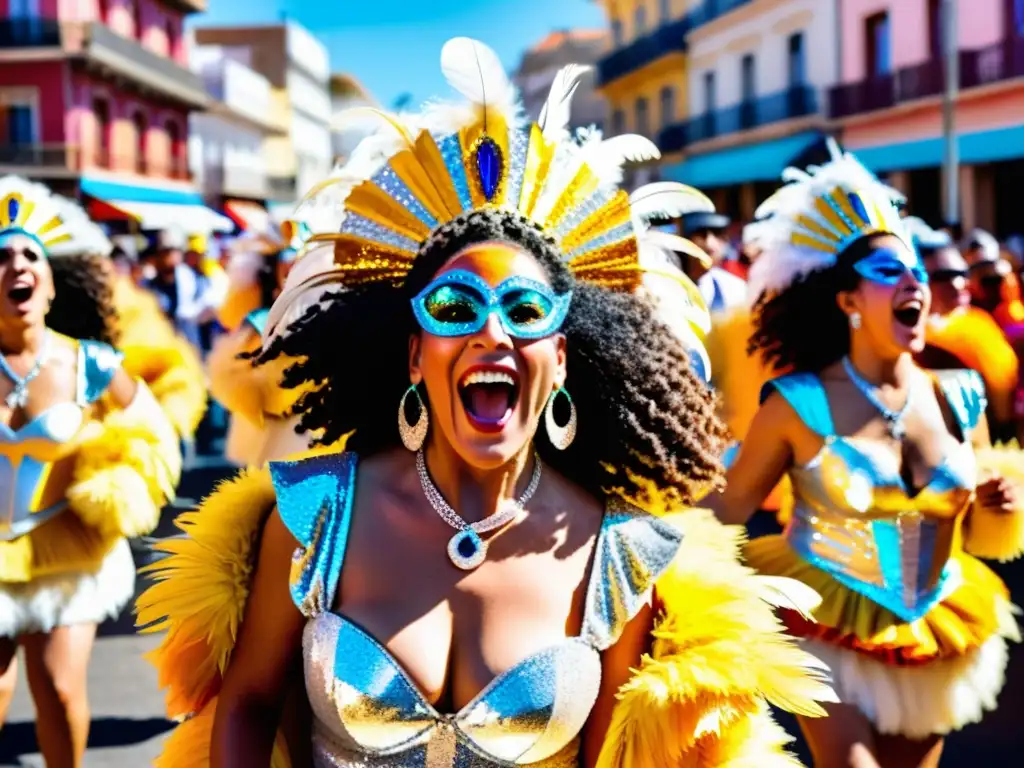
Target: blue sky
{"x": 394, "y": 46}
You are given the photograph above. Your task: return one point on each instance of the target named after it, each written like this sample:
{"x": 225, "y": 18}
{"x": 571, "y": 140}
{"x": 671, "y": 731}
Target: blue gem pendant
{"x": 489, "y": 166}
{"x": 467, "y": 550}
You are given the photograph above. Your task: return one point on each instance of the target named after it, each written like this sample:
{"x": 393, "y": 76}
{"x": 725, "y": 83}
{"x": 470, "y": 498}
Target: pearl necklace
{"x": 466, "y": 549}
{"x": 18, "y": 398}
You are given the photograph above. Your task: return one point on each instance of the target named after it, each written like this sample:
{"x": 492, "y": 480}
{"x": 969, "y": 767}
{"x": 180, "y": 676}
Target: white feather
{"x": 667, "y": 200}
{"x": 783, "y": 592}
{"x": 606, "y": 158}
{"x": 476, "y": 72}
{"x": 556, "y": 112}
{"x": 676, "y": 244}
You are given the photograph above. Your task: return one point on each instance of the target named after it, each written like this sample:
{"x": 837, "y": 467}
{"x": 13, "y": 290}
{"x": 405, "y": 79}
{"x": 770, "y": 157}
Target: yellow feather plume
{"x": 201, "y": 590}
{"x": 719, "y": 656}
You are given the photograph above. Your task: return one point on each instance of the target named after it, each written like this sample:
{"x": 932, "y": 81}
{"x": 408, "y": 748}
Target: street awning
{"x": 249, "y": 216}
{"x": 153, "y": 207}
{"x": 974, "y": 148}
{"x": 764, "y": 161}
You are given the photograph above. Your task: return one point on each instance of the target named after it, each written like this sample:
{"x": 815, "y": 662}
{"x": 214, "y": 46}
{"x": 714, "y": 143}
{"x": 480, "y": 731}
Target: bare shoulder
{"x": 63, "y": 353}
{"x": 386, "y": 479}
{"x": 560, "y": 494}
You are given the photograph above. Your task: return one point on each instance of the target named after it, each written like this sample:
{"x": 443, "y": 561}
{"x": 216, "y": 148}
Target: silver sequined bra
{"x": 855, "y": 517}
{"x": 369, "y": 713}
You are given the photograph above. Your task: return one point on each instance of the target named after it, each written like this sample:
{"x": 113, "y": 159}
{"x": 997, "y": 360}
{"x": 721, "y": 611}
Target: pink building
{"x": 94, "y": 100}
{"x": 888, "y": 105}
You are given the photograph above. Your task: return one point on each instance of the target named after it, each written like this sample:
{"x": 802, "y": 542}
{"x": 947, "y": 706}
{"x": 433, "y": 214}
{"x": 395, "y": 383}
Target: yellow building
{"x": 643, "y": 77}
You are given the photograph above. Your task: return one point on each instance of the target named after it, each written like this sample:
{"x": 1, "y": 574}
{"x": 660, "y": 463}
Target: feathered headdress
{"x": 26, "y": 208}
{"x": 418, "y": 172}
{"x": 84, "y": 235}
{"x": 808, "y": 222}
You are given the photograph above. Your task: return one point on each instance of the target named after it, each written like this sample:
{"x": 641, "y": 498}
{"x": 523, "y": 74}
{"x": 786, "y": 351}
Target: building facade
{"x": 757, "y": 74}
{"x": 541, "y": 63}
{"x": 226, "y": 141}
{"x": 888, "y": 103}
{"x": 95, "y": 98}
{"x": 348, "y": 93}
{"x": 296, "y": 65}
{"x": 643, "y": 74}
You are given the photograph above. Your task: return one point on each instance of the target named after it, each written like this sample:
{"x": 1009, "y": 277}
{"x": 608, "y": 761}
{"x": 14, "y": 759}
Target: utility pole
{"x": 951, "y": 158}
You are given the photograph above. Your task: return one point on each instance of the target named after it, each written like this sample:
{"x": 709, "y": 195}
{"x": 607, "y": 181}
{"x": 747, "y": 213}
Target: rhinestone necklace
{"x": 893, "y": 419}
{"x": 18, "y": 398}
{"x": 466, "y": 549}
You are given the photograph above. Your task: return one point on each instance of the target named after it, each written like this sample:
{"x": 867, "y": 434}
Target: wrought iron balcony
{"x": 799, "y": 101}
{"x": 983, "y": 66}
{"x": 99, "y": 48}
{"x": 29, "y": 33}
{"x": 39, "y": 157}
{"x": 862, "y": 96}
{"x": 667, "y": 39}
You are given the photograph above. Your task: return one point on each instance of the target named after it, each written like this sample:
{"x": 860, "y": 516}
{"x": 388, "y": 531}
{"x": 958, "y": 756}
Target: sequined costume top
{"x": 368, "y": 712}
{"x": 33, "y": 473}
{"x": 855, "y": 516}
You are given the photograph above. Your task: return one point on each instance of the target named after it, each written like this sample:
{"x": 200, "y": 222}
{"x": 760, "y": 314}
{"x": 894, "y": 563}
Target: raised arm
{"x": 762, "y": 459}
{"x": 265, "y": 659}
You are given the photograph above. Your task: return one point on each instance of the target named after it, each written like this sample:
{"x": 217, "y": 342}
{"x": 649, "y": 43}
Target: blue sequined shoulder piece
{"x": 965, "y": 391}
{"x": 634, "y": 549}
{"x": 314, "y": 499}
{"x": 97, "y": 364}
{"x": 806, "y": 396}
{"x": 257, "y": 320}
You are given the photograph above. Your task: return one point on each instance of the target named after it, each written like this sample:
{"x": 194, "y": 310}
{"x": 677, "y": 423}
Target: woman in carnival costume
{"x": 427, "y": 579}
{"x": 87, "y": 458}
{"x": 151, "y": 349}
{"x": 893, "y": 478}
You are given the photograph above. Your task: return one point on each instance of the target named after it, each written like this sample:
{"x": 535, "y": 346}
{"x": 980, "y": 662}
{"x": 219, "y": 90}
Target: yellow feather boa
{"x": 126, "y": 468}
{"x": 719, "y": 654}
{"x": 998, "y": 535}
{"x": 155, "y": 353}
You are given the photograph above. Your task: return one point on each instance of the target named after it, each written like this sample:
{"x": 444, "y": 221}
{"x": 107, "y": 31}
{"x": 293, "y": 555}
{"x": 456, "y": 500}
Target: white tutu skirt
{"x": 69, "y": 598}
{"x": 918, "y": 701}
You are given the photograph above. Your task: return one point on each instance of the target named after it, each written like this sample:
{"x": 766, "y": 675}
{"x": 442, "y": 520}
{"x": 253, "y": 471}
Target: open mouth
{"x": 20, "y": 293}
{"x": 489, "y": 395}
{"x": 909, "y": 313}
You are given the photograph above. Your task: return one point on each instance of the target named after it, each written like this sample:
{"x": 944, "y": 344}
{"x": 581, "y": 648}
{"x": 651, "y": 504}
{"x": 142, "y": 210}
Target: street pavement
{"x": 128, "y": 725}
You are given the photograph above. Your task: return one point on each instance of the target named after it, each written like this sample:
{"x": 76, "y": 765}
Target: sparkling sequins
{"x": 390, "y": 182}
{"x": 451, "y": 152}
{"x": 360, "y": 226}
{"x": 489, "y": 165}
{"x": 368, "y": 712}
{"x": 519, "y": 141}
{"x": 610, "y": 237}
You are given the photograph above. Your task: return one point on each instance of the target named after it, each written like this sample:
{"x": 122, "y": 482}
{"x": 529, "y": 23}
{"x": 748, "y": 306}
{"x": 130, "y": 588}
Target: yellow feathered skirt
{"x": 929, "y": 676}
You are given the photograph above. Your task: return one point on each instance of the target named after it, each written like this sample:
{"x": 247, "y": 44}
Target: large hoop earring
{"x": 413, "y": 435}
{"x": 560, "y": 437}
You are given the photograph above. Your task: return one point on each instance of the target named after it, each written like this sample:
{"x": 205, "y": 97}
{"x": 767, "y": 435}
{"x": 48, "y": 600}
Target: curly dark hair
{"x": 647, "y": 426}
{"x": 802, "y": 329}
{"x": 83, "y": 303}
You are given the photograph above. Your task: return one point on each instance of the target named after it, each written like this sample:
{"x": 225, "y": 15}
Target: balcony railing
{"x": 1002, "y": 61}
{"x": 984, "y": 66}
{"x": 29, "y": 33}
{"x": 54, "y": 156}
{"x": 667, "y": 39}
{"x": 794, "y": 102}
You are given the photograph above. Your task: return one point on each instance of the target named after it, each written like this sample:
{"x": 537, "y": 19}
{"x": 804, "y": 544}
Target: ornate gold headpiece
{"x": 422, "y": 171}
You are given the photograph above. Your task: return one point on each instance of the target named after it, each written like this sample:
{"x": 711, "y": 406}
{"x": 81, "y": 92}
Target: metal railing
{"x": 799, "y": 101}
{"x": 669, "y": 38}
{"x": 982, "y": 66}
{"x": 39, "y": 155}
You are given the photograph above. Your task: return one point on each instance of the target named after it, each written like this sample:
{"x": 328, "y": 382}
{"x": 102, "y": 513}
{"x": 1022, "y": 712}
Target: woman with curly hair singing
{"x": 884, "y": 461}
{"x": 86, "y": 459}
{"x": 501, "y": 569}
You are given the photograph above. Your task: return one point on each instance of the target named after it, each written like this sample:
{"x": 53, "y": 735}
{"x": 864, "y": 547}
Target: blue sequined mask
{"x": 888, "y": 266}
{"x": 458, "y": 304}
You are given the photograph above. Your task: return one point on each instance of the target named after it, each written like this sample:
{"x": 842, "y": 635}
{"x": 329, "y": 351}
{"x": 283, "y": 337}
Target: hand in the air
{"x": 996, "y": 495}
